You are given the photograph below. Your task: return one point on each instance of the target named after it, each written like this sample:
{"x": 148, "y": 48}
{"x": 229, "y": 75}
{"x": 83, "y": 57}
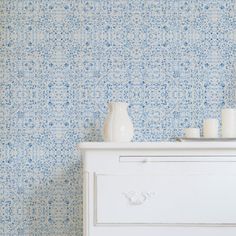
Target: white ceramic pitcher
{"x": 118, "y": 126}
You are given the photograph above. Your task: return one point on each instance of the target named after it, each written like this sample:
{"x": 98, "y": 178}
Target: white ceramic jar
{"x": 118, "y": 126}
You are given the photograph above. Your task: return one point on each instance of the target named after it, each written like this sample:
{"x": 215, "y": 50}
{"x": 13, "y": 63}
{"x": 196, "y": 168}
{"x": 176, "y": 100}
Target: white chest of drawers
{"x": 166, "y": 189}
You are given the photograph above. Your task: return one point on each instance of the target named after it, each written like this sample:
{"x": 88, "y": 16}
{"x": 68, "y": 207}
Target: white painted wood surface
{"x": 165, "y": 189}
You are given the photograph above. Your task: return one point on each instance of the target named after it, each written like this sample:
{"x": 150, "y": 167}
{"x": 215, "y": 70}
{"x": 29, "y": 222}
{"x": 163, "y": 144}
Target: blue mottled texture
{"x": 61, "y": 61}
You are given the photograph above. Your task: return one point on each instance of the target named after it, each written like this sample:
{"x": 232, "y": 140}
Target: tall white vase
{"x": 118, "y": 126}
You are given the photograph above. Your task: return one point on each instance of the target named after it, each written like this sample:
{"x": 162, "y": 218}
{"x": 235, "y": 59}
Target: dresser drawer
{"x": 193, "y": 199}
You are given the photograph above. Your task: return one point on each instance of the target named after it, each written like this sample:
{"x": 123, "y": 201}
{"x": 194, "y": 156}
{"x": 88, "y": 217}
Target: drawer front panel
{"x": 165, "y": 199}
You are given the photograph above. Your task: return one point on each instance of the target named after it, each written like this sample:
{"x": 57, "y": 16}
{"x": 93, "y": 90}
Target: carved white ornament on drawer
{"x": 138, "y": 198}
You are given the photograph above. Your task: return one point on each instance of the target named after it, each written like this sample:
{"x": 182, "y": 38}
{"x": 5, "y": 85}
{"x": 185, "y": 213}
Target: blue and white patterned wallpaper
{"x": 61, "y": 61}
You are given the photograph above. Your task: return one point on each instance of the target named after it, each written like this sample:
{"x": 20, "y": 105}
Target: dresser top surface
{"x": 155, "y": 145}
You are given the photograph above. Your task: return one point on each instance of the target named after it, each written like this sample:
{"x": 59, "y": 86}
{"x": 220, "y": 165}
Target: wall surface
{"x": 61, "y": 61}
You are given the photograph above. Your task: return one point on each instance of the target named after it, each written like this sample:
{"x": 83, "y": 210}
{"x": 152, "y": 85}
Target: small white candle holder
{"x": 192, "y": 133}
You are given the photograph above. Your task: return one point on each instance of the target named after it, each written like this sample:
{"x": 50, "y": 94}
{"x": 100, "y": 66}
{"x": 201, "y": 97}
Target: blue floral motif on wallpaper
{"x": 61, "y": 61}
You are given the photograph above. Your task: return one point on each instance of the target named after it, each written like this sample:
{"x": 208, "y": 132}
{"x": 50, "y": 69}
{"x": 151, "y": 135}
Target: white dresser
{"x": 159, "y": 189}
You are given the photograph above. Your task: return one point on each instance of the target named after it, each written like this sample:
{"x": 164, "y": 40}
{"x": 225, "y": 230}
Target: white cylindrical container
{"x": 211, "y": 128}
{"x": 192, "y": 133}
{"x": 118, "y": 126}
{"x": 229, "y": 123}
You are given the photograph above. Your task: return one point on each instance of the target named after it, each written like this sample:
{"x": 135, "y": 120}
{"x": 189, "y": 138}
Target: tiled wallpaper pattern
{"x": 61, "y": 61}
